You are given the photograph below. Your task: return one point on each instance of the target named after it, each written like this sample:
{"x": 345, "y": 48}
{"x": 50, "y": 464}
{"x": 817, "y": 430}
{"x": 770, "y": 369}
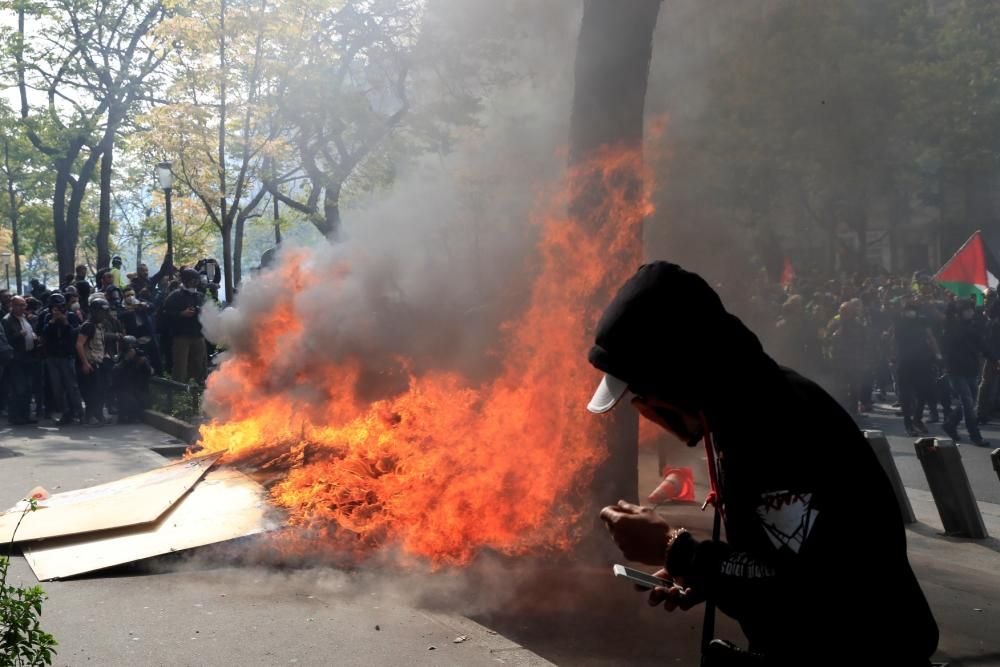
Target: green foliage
{"x": 22, "y": 641}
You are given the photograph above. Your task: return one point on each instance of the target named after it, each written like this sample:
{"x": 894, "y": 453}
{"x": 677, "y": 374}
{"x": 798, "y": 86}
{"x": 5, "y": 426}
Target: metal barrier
{"x": 950, "y": 487}
{"x": 163, "y": 397}
{"x": 880, "y": 444}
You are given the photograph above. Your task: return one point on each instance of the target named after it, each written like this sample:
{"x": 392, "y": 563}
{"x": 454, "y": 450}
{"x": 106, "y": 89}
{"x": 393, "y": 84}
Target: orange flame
{"x": 444, "y": 468}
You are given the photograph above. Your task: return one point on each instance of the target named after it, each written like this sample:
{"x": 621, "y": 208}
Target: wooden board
{"x": 225, "y": 505}
{"x": 131, "y": 501}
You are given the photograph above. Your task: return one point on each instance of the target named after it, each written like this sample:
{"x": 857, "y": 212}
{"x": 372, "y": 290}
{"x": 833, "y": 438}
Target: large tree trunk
{"x": 15, "y": 242}
{"x": 77, "y": 191}
{"x": 241, "y": 222}
{"x": 65, "y": 252}
{"x": 613, "y": 58}
{"x": 104, "y": 216}
{"x": 330, "y": 225}
{"x": 227, "y": 259}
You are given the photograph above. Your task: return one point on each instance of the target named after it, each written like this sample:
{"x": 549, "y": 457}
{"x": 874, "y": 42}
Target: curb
{"x": 180, "y": 429}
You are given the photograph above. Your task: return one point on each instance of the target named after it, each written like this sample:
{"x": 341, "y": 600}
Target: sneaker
{"x": 981, "y": 443}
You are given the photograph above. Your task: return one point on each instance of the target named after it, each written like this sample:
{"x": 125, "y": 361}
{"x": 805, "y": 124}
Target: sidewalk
{"x": 204, "y": 610}
{"x": 179, "y": 612}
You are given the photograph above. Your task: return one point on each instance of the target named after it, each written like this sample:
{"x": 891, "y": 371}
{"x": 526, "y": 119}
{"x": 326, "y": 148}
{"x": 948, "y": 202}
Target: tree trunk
{"x": 227, "y": 258}
{"x": 241, "y": 221}
{"x": 65, "y": 252}
{"x": 330, "y": 225}
{"x": 104, "y": 216}
{"x": 613, "y": 58}
{"x": 77, "y": 191}
{"x": 15, "y": 242}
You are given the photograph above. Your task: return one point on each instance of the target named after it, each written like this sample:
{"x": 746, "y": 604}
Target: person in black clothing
{"x": 795, "y": 538}
{"x": 138, "y": 324}
{"x": 915, "y": 351}
{"x": 990, "y": 384}
{"x": 20, "y": 373}
{"x": 181, "y": 311}
{"x": 141, "y": 279}
{"x": 963, "y": 351}
{"x": 131, "y": 381}
{"x": 59, "y": 330}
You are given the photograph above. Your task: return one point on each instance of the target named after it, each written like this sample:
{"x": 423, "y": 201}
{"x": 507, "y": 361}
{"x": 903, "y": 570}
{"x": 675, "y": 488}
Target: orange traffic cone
{"x": 677, "y": 486}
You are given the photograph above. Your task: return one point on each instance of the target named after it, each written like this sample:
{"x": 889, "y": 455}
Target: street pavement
{"x": 219, "y": 607}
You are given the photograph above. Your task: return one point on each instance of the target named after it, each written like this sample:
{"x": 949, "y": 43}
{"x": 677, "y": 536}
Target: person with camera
{"x": 59, "y": 330}
{"x": 138, "y": 323}
{"x": 93, "y": 342}
{"x": 181, "y": 310}
{"x": 130, "y": 380}
{"x": 815, "y": 572}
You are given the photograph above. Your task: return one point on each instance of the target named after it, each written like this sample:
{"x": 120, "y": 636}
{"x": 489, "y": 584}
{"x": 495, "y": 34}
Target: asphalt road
{"x": 982, "y": 476}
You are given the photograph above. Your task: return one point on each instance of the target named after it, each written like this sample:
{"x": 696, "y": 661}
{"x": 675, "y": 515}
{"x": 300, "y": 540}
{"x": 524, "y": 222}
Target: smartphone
{"x": 641, "y": 578}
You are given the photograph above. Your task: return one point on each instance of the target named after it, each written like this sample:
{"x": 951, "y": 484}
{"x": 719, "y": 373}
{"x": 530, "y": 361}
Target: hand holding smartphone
{"x": 641, "y": 578}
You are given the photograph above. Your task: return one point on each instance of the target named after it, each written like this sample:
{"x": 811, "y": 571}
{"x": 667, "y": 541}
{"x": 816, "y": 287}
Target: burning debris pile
{"x": 434, "y": 461}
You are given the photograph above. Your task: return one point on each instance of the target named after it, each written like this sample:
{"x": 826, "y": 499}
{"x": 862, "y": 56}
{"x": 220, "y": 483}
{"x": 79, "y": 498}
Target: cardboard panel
{"x": 225, "y": 505}
{"x": 131, "y": 501}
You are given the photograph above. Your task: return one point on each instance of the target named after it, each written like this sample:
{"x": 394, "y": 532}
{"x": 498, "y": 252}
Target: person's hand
{"x": 639, "y": 532}
{"x": 677, "y": 596}
{"x": 87, "y": 368}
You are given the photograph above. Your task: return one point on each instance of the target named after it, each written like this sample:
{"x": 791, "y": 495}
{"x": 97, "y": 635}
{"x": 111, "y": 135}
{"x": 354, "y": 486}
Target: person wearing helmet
{"x": 130, "y": 380}
{"x": 59, "y": 330}
{"x": 92, "y": 344}
{"x": 182, "y": 307}
{"x": 794, "y": 536}
{"x": 118, "y": 277}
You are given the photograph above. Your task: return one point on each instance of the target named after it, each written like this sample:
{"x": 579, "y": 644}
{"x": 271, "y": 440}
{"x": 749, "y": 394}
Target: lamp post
{"x": 5, "y": 258}
{"x": 166, "y": 179}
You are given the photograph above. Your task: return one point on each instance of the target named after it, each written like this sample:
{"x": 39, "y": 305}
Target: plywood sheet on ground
{"x": 225, "y": 505}
{"x": 131, "y": 501}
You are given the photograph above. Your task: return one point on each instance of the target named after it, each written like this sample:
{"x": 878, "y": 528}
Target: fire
{"x": 446, "y": 467}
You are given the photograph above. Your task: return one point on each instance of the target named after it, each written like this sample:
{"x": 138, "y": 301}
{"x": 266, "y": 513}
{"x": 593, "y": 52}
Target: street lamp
{"x": 166, "y": 179}
{"x": 5, "y": 258}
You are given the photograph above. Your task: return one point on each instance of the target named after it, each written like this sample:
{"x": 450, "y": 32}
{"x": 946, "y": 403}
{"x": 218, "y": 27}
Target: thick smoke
{"x": 431, "y": 266}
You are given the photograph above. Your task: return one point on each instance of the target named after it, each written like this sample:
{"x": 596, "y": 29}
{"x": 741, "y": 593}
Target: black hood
{"x": 667, "y": 333}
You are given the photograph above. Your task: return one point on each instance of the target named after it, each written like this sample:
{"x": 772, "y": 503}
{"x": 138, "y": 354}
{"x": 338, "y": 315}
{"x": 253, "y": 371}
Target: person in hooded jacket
{"x": 814, "y": 568}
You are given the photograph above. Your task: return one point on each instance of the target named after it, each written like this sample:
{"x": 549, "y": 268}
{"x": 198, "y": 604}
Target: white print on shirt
{"x": 787, "y": 518}
{"x": 742, "y": 565}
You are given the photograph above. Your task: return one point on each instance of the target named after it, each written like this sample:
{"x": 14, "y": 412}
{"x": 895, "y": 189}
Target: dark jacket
{"x": 177, "y": 302}
{"x": 810, "y": 517}
{"x": 963, "y": 348}
{"x": 60, "y": 339}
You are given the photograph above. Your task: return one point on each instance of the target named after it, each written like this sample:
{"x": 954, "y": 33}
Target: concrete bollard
{"x": 942, "y": 464}
{"x": 883, "y": 453}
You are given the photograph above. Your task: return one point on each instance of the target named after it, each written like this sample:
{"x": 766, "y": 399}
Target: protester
{"x": 93, "y": 357}
{"x": 59, "y": 332}
{"x": 964, "y": 350}
{"x": 82, "y": 286}
{"x": 915, "y": 353}
{"x": 131, "y": 381}
{"x": 19, "y": 375}
{"x": 181, "y": 311}
{"x": 138, "y": 323}
{"x": 796, "y": 539}
{"x": 989, "y": 387}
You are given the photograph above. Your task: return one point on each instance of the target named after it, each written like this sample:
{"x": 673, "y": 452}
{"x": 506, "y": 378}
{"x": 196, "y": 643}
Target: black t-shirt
{"x": 912, "y": 342}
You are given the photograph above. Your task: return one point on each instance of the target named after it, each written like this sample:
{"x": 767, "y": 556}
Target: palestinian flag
{"x": 971, "y": 271}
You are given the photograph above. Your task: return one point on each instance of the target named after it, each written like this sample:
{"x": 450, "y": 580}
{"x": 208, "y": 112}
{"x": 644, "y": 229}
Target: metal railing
{"x": 176, "y": 399}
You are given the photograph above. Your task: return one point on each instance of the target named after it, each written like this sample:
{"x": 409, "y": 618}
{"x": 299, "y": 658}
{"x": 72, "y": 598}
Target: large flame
{"x": 445, "y": 468}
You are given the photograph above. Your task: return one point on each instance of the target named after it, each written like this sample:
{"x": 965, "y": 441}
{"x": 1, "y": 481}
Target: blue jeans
{"x": 965, "y": 389}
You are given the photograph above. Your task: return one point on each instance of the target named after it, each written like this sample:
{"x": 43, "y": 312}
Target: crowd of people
{"x": 85, "y": 353}
{"x": 909, "y": 341}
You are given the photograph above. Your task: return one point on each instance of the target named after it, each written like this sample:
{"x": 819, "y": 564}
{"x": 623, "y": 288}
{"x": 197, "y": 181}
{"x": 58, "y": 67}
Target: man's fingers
{"x": 628, "y": 507}
{"x": 609, "y": 514}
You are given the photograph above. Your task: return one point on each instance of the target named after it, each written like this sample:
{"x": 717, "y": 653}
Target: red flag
{"x": 788, "y": 273}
